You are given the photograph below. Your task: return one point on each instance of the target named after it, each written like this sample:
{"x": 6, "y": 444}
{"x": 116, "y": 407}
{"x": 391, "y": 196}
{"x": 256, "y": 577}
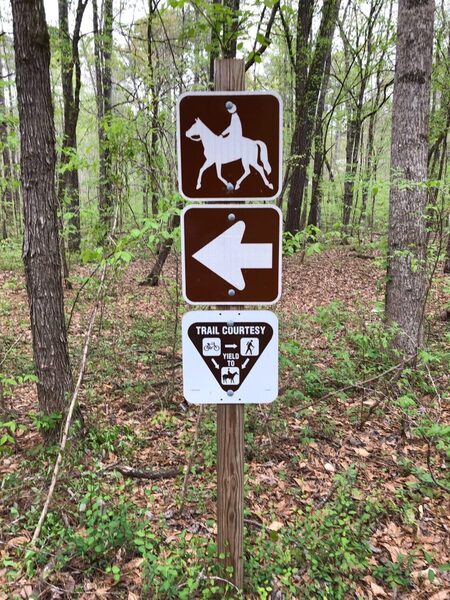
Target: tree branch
{"x": 263, "y": 47}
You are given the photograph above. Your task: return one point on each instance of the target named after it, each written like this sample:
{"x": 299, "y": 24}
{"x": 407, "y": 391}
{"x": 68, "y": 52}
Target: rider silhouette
{"x": 234, "y": 129}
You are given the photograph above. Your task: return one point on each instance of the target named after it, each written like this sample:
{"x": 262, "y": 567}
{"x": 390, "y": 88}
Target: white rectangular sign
{"x": 230, "y": 357}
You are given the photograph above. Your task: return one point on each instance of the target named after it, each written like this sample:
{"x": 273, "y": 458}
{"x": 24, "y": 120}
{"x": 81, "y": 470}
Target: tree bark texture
{"x": 406, "y": 284}
{"x": 69, "y": 187}
{"x": 41, "y": 244}
{"x": 306, "y": 103}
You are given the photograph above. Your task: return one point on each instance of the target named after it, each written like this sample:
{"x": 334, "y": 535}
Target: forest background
{"x": 346, "y": 473}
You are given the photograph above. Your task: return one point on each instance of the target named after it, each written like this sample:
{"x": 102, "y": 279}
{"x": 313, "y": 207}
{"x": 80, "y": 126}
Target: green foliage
{"x": 10, "y": 382}
{"x": 178, "y": 570}
{"x": 8, "y": 430}
{"x": 305, "y": 240}
{"x": 328, "y": 548}
{"x": 10, "y": 255}
{"x": 395, "y": 574}
{"x": 10, "y": 426}
{"x": 45, "y": 422}
{"x": 117, "y": 439}
{"x": 106, "y": 525}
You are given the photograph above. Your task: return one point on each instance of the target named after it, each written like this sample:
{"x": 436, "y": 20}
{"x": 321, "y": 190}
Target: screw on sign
{"x": 229, "y": 145}
{"x": 230, "y": 356}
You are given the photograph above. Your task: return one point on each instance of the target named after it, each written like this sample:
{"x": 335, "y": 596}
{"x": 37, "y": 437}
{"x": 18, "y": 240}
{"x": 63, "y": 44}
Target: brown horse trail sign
{"x": 229, "y": 145}
{"x": 230, "y": 357}
{"x": 231, "y": 254}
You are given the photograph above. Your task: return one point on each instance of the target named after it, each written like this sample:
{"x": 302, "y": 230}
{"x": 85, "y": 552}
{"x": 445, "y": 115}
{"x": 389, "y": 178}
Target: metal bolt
{"x": 232, "y": 217}
{"x": 228, "y": 105}
{"x": 230, "y": 186}
{"x": 231, "y": 292}
{"x": 230, "y": 392}
{"x": 230, "y": 323}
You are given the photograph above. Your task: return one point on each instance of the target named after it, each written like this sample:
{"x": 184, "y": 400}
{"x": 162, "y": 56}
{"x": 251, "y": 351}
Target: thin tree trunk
{"x": 447, "y": 257}
{"x": 7, "y": 200}
{"x": 369, "y": 160}
{"x": 41, "y": 244}
{"x": 153, "y": 183}
{"x": 314, "y": 211}
{"x": 102, "y": 53}
{"x": 215, "y": 49}
{"x": 305, "y": 113}
{"x": 69, "y": 187}
{"x": 406, "y": 272}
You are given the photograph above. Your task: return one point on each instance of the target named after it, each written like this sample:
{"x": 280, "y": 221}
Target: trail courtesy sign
{"x": 230, "y": 357}
{"x": 231, "y": 254}
{"x": 229, "y": 145}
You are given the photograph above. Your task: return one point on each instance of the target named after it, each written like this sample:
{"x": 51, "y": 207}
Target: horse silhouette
{"x": 220, "y": 151}
{"x": 229, "y": 376}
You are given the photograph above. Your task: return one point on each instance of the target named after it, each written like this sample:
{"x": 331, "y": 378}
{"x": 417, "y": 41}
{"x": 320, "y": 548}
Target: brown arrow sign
{"x": 229, "y": 145}
{"x": 231, "y": 254}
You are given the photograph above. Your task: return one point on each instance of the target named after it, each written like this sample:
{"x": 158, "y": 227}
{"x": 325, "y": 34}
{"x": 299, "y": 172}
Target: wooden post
{"x": 230, "y": 76}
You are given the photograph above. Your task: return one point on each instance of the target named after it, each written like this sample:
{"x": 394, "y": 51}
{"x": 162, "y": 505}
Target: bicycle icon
{"x": 211, "y": 346}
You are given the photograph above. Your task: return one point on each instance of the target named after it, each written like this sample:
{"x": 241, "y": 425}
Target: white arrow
{"x": 215, "y": 364}
{"x": 226, "y": 255}
{"x": 244, "y": 366}
{"x": 230, "y": 345}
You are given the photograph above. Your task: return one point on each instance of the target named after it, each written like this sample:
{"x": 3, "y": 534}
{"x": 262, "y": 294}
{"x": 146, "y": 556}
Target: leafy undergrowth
{"x": 345, "y": 472}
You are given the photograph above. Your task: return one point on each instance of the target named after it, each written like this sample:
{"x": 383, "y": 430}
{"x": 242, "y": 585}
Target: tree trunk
{"x": 153, "y": 172}
{"x": 406, "y": 272}
{"x": 447, "y": 257}
{"x": 102, "y": 53}
{"x": 41, "y": 244}
{"x": 319, "y": 150}
{"x": 69, "y": 187}
{"x": 7, "y": 200}
{"x": 369, "y": 161}
{"x": 215, "y": 49}
{"x": 306, "y": 110}
{"x": 231, "y": 27}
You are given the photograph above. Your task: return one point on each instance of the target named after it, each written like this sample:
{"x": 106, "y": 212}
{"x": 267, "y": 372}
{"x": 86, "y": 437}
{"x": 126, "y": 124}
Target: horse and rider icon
{"x": 230, "y": 375}
{"x": 229, "y": 146}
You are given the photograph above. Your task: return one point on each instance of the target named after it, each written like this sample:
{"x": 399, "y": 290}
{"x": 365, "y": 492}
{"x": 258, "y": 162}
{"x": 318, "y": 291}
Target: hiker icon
{"x": 249, "y": 346}
{"x": 230, "y": 375}
{"x": 229, "y": 146}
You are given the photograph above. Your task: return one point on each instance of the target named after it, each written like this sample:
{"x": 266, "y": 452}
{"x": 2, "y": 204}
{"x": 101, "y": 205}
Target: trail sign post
{"x": 230, "y": 357}
{"x": 230, "y": 148}
{"x": 229, "y": 145}
{"x": 231, "y": 254}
